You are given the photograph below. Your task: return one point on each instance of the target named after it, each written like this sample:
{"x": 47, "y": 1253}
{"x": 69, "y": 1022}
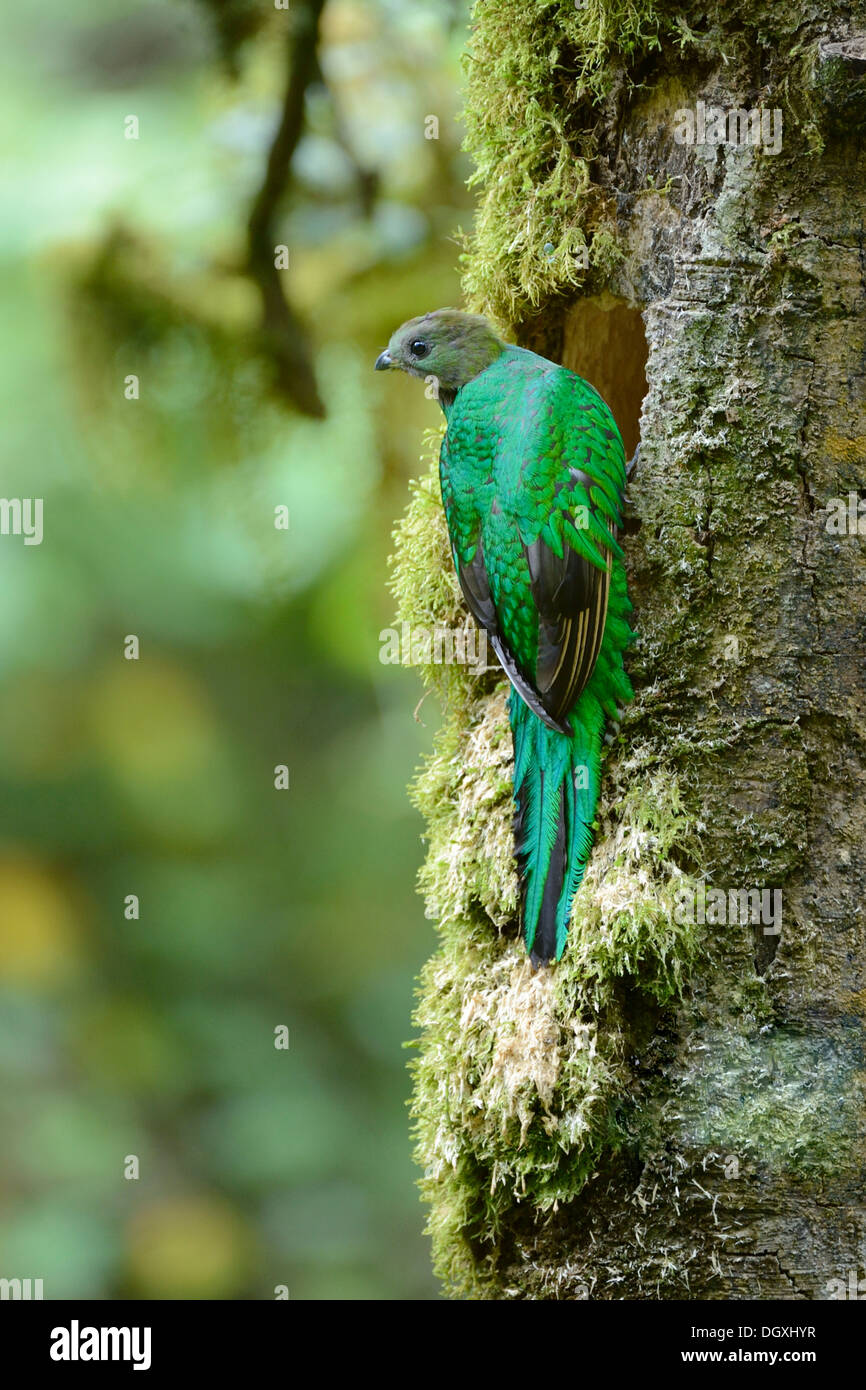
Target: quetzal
{"x": 533, "y": 472}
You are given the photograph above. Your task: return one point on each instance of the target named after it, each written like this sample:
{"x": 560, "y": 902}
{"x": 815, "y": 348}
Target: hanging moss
{"x": 541, "y": 214}
{"x": 519, "y": 1073}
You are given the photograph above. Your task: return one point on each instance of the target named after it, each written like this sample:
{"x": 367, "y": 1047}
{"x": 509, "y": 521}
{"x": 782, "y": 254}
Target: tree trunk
{"x": 677, "y": 1109}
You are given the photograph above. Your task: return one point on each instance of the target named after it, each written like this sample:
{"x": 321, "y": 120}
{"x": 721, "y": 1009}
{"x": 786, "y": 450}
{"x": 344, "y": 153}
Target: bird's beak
{"x": 383, "y": 361}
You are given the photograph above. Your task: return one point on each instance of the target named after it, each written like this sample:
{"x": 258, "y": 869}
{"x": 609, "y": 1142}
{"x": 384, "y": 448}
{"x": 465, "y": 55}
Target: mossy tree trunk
{"x": 677, "y": 1109}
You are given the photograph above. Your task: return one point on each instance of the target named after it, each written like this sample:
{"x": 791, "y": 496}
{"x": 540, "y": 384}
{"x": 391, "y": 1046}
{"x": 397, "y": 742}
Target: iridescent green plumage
{"x": 533, "y": 472}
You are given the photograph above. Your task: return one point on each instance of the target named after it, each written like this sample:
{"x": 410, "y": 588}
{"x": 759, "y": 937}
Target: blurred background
{"x": 153, "y": 1035}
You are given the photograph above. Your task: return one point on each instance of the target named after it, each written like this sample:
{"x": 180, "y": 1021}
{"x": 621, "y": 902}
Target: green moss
{"x": 520, "y": 1073}
{"x": 422, "y": 573}
{"x": 606, "y": 253}
{"x": 540, "y": 215}
{"x": 544, "y": 103}
{"x": 789, "y": 1100}
{"x": 843, "y": 96}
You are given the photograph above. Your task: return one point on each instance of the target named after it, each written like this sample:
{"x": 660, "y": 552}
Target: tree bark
{"x": 677, "y": 1110}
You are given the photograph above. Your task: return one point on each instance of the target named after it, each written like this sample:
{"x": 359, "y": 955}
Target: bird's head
{"x": 446, "y": 344}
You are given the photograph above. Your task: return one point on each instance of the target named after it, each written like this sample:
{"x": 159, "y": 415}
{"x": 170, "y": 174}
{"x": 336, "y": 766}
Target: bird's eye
{"x": 419, "y": 348}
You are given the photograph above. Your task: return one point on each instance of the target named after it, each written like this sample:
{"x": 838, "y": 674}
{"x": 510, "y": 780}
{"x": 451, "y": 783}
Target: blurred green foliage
{"x": 258, "y": 908}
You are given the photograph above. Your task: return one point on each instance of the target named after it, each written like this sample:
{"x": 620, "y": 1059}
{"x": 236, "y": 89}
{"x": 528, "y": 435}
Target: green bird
{"x": 533, "y": 473}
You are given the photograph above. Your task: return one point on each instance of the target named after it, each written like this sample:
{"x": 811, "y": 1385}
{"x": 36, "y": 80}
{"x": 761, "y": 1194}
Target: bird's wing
{"x": 571, "y": 544}
{"x": 570, "y": 595}
{"x": 534, "y": 562}
{"x": 475, "y": 584}
{"x": 467, "y": 548}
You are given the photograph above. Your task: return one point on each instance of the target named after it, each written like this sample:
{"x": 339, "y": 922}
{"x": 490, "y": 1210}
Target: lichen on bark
{"x": 518, "y": 1082}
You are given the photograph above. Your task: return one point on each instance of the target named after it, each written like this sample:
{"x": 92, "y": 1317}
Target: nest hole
{"x": 604, "y": 342}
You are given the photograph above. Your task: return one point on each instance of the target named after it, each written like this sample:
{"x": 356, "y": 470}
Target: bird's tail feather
{"x": 556, "y": 782}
